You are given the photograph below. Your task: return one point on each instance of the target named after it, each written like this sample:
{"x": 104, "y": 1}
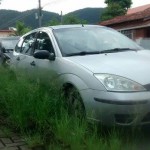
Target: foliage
{"x": 115, "y": 8}
{"x": 68, "y": 19}
{"x": 53, "y": 22}
{"x": 112, "y": 11}
{"x": 8, "y": 18}
{"x": 38, "y": 111}
{"x": 91, "y": 15}
{"x": 21, "y": 28}
{"x": 126, "y": 4}
{"x": 72, "y": 19}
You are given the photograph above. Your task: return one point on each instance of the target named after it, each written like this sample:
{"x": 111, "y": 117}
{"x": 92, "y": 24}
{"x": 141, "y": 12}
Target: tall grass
{"x": 37, "y": 111}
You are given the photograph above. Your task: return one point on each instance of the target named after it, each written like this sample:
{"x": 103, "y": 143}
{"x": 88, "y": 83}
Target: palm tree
{"x": 21, "y": 28}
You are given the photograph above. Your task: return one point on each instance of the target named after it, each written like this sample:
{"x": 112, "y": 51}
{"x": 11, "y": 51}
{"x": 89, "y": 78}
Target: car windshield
{"x": 92, "y": 40}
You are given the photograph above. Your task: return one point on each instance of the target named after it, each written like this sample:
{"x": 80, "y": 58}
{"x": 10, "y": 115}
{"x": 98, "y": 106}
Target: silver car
{"x": 105, "y": 76}
{"x": 7, "y": 44}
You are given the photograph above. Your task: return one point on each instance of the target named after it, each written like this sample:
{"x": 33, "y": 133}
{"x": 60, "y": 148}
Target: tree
{"x": 68, "y": 19}
{"x": 125, "y": 4}
{"x": 53, "y": 22}
{"x": 21, "y": 28}
{"x": 71, "y": 19}
{"x": 115, "y": 8}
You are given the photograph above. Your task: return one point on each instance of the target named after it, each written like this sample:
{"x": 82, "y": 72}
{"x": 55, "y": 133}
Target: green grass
{"x": 37, "y": 112}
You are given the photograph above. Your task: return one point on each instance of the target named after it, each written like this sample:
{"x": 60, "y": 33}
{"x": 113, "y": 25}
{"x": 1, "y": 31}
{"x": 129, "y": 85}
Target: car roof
{"x": 63, "y": 27}
{"x": 67, "y": 26}
{"x": 72, "y": 26}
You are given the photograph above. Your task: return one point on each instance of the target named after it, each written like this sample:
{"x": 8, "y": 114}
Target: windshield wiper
{"x": 101, "y": 52}
{"x": 83, "y": 53}
{"x": 114, "y": 50}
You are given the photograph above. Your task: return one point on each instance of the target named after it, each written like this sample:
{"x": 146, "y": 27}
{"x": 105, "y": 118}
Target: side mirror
{"x": 41, "y": 54}
{"x": 44, "y": 54}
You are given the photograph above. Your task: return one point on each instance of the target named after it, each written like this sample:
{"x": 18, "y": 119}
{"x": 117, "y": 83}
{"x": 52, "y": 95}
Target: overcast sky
{"x": 59, "y": 5}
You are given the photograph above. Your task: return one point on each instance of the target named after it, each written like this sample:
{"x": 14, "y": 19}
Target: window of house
{"x": 128, "y": 33}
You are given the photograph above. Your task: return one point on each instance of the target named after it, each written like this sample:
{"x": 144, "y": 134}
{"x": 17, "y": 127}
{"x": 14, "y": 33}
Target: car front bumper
{"x": 117, "y": 108}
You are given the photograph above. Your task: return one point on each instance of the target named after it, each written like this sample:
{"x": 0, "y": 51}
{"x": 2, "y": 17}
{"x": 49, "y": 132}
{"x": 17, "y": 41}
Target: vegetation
{"x": 21, "y": 28}
{"x": 125, "y": 4}
{"x": 69, "y": 19}
{"x": 72, "y": 19}
{"x": 38, "y": 112}
{"x": 115, "y": 8}
{"x": 8, "y": 18}
{"x": 91, "y": 15}
{"x": 53, "y": 22}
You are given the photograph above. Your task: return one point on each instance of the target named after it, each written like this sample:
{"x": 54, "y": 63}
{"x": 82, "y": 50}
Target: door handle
{"x": 32, "y": 63}
{"x": 18, "y": 58}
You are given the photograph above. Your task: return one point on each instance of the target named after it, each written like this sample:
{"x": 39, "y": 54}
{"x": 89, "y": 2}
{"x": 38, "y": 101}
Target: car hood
{"x": 134, "y": 65}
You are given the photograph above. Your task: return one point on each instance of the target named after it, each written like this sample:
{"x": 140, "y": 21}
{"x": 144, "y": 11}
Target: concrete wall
{"x": 6, "y": 33}
{"x": 144, "y": 42}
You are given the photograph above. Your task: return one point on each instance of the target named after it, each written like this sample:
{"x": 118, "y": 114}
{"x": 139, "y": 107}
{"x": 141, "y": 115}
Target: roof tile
{"x": 145, "y": 14}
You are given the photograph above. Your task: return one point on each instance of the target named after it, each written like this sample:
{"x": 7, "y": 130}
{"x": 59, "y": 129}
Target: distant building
{"x": 5, "y": 33}
{"x": 135, "y": 24}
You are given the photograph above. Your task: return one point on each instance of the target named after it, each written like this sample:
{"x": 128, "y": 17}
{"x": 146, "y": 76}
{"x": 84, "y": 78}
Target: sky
{"x": 59, "y": 5}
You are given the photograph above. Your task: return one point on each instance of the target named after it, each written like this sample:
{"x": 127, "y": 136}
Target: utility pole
{"x": 40, "y": 14}
{"x": 61, "y": 17}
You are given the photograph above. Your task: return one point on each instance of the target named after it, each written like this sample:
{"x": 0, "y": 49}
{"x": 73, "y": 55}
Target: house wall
{"x": 140, "y": 33}
{"x": 6, "y": 33}
{"x": 131, "y": 26}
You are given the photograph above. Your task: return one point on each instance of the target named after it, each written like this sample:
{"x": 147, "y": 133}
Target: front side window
{"x": 91, "y": 39}
{"x": 43, "y": 42}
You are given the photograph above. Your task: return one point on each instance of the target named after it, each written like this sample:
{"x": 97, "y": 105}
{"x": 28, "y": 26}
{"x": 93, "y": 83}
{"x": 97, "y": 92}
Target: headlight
{"x": 117, "y": 83}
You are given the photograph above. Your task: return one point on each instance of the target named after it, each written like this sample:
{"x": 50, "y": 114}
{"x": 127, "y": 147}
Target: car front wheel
{"x": 75, "y": 104}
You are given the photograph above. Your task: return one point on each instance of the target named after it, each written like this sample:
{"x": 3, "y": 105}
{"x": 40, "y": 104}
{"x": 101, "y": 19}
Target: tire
{"x": 75, "y": 104}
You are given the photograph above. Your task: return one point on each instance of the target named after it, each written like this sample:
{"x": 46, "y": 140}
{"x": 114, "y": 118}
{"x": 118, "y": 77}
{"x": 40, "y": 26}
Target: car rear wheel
{"x": 75, "y": 104}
